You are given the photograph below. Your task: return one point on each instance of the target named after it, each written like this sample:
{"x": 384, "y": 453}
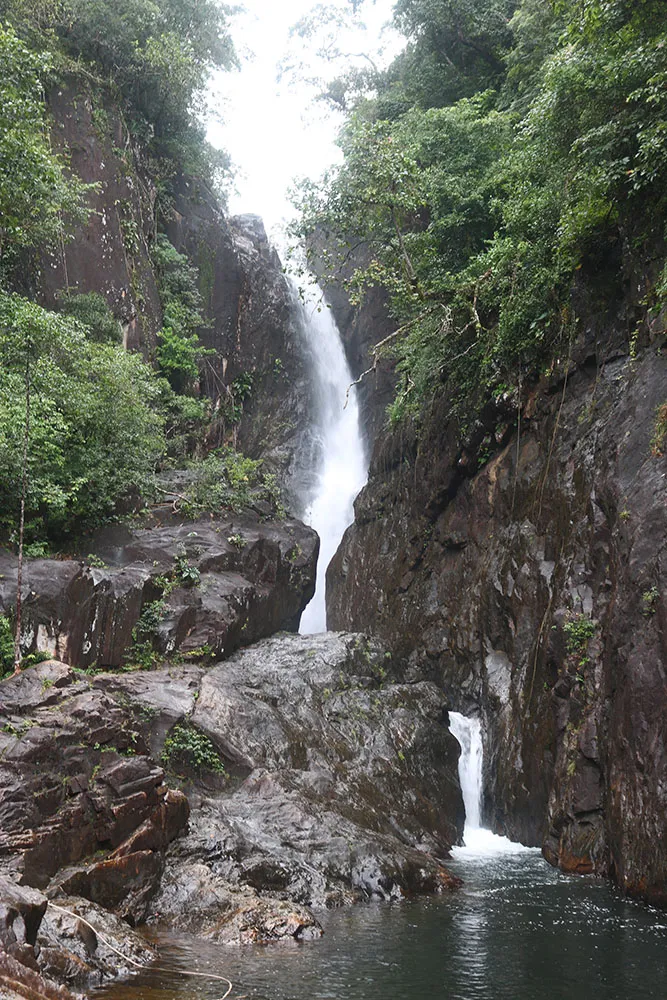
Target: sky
{"x": 273, "y": 130}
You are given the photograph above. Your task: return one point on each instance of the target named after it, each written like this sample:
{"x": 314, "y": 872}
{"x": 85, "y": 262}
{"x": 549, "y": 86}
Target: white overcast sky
{"x": 272, "y": 130}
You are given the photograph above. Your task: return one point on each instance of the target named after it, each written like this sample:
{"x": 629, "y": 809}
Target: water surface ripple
{"x": 518, "y": 931}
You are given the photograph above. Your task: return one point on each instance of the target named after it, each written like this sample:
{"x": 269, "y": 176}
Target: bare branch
{"x": 178, "y": 498}
{"x": 359, "y": 55}
{"x": 358, "y": 381}
{"x": 376, "y": 355}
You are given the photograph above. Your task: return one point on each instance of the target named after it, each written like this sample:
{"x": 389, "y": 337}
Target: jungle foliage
{"x": 94, "y": 435}
{"x": 227, "y": 480}
{"x": 35, "y": 191}
{"x": 83, "y": 423}
{"x": 78, "y": 406}
{"x": 511, "y": 144}
{"x": 179, "y": 351}
{"x": 158, "y": 54}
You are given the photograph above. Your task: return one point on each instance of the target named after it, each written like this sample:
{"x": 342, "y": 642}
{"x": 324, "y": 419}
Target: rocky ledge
{"x": 167, "y": 585}
{"x": 224, "y": 801}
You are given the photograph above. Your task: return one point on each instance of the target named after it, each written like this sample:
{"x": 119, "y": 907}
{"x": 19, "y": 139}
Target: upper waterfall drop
{"x": 336, "y": 448}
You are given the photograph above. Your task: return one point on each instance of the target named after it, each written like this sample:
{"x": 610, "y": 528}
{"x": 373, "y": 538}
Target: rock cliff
{"x": 251, "y": 323}
{"x": 521, "y": 566}
{"x": 166, "y": 585}
{"x": 312, "y": 778}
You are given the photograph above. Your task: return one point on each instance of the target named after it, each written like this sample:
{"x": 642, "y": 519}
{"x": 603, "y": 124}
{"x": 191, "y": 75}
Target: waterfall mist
{"x": 334, "y": 446}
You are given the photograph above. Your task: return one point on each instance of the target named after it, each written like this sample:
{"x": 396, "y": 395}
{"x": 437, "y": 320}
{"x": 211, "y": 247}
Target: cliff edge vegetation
{"x": 85, "y": 422}
{"x": 511, "y": 149}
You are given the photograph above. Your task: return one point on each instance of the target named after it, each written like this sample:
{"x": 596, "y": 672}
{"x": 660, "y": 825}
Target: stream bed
{"x": 519, "y": 930}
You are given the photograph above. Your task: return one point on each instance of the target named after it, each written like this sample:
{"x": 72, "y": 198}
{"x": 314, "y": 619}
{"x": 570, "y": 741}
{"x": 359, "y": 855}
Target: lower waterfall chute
{"x": 477, "y": 840}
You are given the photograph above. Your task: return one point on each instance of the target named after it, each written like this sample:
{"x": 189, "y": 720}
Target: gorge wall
{"x": 521, "y": 566}
{"x": 251, "y": 325}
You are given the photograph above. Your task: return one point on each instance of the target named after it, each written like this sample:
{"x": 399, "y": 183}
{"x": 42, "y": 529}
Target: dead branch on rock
{"x": 376, "y": 357}
{"x": 172, "y": 493}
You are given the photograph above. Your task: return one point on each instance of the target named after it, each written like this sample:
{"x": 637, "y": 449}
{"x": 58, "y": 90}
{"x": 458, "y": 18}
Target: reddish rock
{"x": 18, "y": 980}
{"x": 66, "y": 788}
{"x": 163, "y": 826}
{"x": 124, "y": 884}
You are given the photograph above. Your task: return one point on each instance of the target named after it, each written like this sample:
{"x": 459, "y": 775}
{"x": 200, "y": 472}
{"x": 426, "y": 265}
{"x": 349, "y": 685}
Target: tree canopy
{"x": 512, "y": 143}
{"x": 158, "y": 53}
{"x": 82, "y": 421}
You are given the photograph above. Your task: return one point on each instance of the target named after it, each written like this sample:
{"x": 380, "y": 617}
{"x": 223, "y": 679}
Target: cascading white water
{"x": 469, "y": 734}
{"x": 477, "y": 839}
{"x": 338, "y": 449}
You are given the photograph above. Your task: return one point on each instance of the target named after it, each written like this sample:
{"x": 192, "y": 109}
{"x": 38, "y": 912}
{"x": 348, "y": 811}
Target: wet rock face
{"x": 84, "y": 811}
{"x": 254, "y": 577}
{"x": 527, "y": 574}
{"x": 269, "y": 344}
{"x": 110, "y": 252}
{"x": 251, "y": 319}
{"x": 313, "y": 778}
{"x": 340, "y": 785}
{"x": 196, "y": 900}
{"x": 253, "y": 329}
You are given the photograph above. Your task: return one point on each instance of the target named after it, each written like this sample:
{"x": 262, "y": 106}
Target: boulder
{"x": 341, "y": 785}
{"x": 83, "y": 945}
{"x": 254, "y": 577}
{"x": 196, "y": 900}
{"x": 56, "y": 944}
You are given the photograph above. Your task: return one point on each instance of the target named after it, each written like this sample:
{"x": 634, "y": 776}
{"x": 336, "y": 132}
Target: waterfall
{"x": 335, "y": 446}
{"x": 469, "y": 734}
{"x": 477, "y": 839}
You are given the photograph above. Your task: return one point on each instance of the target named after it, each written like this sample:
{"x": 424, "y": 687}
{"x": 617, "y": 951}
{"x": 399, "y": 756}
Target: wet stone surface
{"x": 225, "y": 800}
{"x": 253, "y": 577}
{"x": 526, "y": 574}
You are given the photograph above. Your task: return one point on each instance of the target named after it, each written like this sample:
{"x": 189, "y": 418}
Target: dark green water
{"x": 518, "y": 931}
